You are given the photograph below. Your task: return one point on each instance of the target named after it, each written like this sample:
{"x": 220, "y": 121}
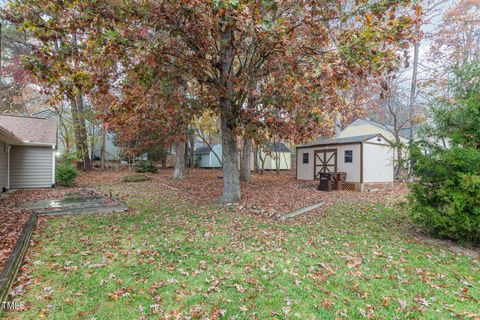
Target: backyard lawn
{"x": 171, "y": 257}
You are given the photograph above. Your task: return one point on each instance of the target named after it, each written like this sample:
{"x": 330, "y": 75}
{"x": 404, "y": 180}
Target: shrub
{"x": 136, "y": 178}
{"x": 146, "y": 166}
{"x": 66, "y": 174}
{"x": 446, "y": 198}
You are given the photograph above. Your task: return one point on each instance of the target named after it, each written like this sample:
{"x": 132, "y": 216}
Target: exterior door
{"x": 324, "y": 161}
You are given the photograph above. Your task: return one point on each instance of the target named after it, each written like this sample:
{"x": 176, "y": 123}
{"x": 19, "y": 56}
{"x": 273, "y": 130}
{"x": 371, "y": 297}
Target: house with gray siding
{"x": 27, "y": 152}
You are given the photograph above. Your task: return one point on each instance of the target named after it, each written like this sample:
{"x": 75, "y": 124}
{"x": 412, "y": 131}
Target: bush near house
{"x": 146, "y": 167}
{"x": 445, "y": 198}
{"x": 66, "y": 174}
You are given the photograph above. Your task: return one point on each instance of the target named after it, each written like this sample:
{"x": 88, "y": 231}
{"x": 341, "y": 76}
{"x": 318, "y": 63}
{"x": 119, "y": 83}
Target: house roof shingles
{"x": 328, "y": 141}
{"x": 31, "y": 129}
{"x": 278, "y": 147}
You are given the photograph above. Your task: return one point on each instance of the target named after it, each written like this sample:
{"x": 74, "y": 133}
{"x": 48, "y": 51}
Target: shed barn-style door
{"x": 325, "y": 161}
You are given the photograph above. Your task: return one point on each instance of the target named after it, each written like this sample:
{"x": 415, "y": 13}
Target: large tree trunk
{"x": 255, "y": 160}
{"x": 102, "y": 147}
{"x": 83, "y": 135}
{"x": 413, "y": 90}
{"x": 228, "y": 117}
{"x": 191, "y": 149}
{"x": 179, "y": 172}
{"x": 76, "y": 129}
{"x": 245, "y": 173}
{"x": 231, "y": 179}
{"x": 82, "y": 144}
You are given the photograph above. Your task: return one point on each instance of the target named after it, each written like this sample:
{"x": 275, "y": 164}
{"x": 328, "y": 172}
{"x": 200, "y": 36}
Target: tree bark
{"x": 80, "y": 119}
{"x": 338, "y": 124}
{"x": 102, "y": 147}
{"x": 179, "y": 172}
{"x": 83, "y": 135}
{"x": 228, "y": 116}
{"x": 163, "y": 159}
{"x": 245, "y": 173}
{"x": 413, "y": 89}
{"x": 73, "y": 106}
{"x": 191, "y": 149}
{"x": 231, "y": 179}
{"x": 262, "y": 161}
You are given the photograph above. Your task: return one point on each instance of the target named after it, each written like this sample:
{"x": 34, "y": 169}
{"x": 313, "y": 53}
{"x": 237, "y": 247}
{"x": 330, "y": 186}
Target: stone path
{"x": 84, "y": 201}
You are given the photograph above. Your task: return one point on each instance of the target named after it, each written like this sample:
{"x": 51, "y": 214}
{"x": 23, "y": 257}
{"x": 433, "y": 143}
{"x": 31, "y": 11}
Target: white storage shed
{"x": 207, "y": 158}
{"x": 367, "y": 160}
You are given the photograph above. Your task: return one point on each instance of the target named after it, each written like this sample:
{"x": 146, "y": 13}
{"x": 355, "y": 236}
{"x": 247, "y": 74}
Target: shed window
{"x": 305, "y": 157}
{"x": 348, "y": 156}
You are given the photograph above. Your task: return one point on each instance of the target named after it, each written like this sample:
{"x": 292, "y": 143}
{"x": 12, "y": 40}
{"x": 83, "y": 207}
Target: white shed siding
{"x": 305, "y": 170}
{"x": 204, "y": 160}
{"x": 283, "y": 158}
{"x": 3, "y": 166}
{"x": 209, "y": 160}
{"x": 377, "y": 163}
{"x": 352, "y": 169}
{"x": 31, "y": 167}
{"x": 214, "y": 163}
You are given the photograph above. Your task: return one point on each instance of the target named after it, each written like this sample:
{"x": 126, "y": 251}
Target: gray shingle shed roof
{"x": 330, "y": 141}
{"x": 204, "y": 150}
{"x": 278, "y": 147}
{"x": 31, "y": 129}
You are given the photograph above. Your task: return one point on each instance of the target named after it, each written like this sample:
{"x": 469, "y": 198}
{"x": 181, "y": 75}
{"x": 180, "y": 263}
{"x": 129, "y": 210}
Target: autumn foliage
{"x": 266, "y": 68}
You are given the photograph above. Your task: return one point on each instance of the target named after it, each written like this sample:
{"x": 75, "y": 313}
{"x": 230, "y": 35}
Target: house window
{"x": 305, "y": 158}
{"x": 348, "y": 156}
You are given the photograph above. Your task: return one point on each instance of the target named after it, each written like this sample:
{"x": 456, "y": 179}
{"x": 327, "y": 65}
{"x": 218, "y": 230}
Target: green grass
{"x": 166, "y": 258}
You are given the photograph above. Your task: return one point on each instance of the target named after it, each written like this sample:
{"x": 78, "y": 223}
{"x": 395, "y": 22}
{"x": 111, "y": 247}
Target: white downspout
{"x": 53, "y": 166}
{"x": 8, "y": 166}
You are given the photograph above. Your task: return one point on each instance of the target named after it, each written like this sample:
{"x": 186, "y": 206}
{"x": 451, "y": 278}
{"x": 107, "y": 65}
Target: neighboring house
{"x": 112, "y": 152}
{"x": 367, "y": 160}
{"x": 363, "y": 127}
{"x": 27, "y": 152}
{"x": 205, "y": 157}
{"x": 275, "y": 154}
{"x": 272, "y": 154}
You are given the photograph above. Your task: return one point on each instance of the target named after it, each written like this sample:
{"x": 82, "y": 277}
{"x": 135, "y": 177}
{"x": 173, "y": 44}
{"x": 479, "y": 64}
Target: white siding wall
{"x": 214, "y": 163}
{"x": 271, "y": 162}
{"x": 3, "y": 166}
{"x": 31, "y": 167}
{"x": 352, "y": 169}
{"x": 305, "y": 171}
{"x": 377, "y": 163}
{"x": 204, "y": 160}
